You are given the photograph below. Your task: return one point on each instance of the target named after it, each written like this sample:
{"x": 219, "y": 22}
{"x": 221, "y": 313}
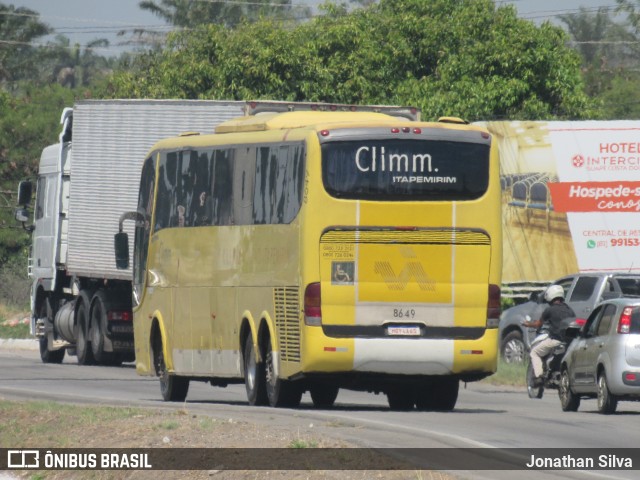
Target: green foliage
{"x": 622, "y": 99}
{"x": 464, "y": 58}
{"x": 18, "y": 27}
{"x": 189, "y": 13}
{"x": 28, "y": 123}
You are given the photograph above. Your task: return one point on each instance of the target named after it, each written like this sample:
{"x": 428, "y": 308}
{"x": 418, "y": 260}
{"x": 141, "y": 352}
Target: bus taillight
{"x": 312, "y": 305}
{"x": 493, "y": 306}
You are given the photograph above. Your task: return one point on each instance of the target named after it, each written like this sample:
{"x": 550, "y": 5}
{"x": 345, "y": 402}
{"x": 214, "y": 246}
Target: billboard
{"x": 571, "y": 197}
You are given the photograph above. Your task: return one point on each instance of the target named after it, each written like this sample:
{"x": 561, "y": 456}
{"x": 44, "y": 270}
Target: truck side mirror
{"x": 121, "y": 246}
{"x": 22, "y": 215}
{"x": 25, "y": 191}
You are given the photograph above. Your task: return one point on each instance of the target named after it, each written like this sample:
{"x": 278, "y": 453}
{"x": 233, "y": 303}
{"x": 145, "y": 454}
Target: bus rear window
{"x": 405, "y": 169}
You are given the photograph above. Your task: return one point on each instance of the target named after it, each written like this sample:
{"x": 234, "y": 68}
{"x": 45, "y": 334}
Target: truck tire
{"x": 99, "y": 309}
{"x": 46, "y": 355}
{"x": 83, "y": 346}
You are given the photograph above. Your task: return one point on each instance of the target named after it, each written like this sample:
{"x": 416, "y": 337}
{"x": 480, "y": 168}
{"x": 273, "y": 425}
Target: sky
{"x": 86, "y": 20}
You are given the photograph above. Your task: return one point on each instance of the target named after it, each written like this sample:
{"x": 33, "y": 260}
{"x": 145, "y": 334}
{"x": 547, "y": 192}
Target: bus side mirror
{"x": 121, "y": 246}
{"x": 25, "y": 191}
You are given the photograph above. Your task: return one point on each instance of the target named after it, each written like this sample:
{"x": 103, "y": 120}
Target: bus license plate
{"x": 403, "y": 330}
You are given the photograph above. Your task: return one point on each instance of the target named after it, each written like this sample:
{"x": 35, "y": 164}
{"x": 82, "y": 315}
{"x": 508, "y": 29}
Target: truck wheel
{"x": 46, "y": 355}
{"x": 96, "y": 328}
{"x": 281, "y": 393}
{"x": 254, "y": 376}
{"x": 323, "y": 396}
{"x": 83, "y": 347}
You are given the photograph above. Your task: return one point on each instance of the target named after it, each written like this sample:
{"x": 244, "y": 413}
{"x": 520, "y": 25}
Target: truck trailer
{"x": 80, "y": 301}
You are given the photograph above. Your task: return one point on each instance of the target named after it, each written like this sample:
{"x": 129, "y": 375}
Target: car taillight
{"x": 624, "y": 324}
{"x": 493, "y": 306}
{"x": 312, "y": 303}
{"x": 119, "y": 315}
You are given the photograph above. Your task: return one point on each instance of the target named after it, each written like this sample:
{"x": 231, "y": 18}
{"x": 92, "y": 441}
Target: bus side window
{"x": 244, "y": 174}
{"x": 200, "y": 199}
{"x": 167, "y": 203}
{"x": 222, "y": 188}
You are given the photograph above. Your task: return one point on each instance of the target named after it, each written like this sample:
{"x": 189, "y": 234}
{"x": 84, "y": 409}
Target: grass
{"x": 11, "y": 325}
{"x": 513, "y": 374}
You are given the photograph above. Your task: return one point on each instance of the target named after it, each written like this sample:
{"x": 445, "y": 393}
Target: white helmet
{"x": 553, "y": 292}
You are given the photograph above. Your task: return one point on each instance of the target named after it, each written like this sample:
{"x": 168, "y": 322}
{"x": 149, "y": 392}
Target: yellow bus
{"x": 312, "y": 250}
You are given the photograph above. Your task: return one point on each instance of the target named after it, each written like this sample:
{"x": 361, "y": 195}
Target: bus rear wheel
{"x": 254, "y": 375}
{"x": 323, "y": 396}
{"x": 440, "y": 395}
{"x": 281, "y": 393}
{"x": 401, "y": 398}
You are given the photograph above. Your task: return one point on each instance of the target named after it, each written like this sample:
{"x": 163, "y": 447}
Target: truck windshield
{"x": 395, "y": 169}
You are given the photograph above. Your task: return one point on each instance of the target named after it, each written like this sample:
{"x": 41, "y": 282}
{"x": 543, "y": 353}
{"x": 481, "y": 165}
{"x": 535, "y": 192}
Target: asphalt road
{"x": 485, "y": 416}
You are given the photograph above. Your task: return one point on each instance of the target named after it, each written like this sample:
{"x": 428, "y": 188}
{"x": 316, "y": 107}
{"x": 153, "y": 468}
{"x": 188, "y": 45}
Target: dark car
{"x": 583, "y": 291}
{"x": 603, "y": 361}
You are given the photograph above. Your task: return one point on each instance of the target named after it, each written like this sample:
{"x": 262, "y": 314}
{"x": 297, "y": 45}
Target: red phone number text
{"x": 625, "y": 242}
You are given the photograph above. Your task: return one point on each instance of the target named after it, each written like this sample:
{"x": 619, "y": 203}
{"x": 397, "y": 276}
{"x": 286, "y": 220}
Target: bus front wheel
{"x": 172, "y": 387}
{"x": 281, "y": 393}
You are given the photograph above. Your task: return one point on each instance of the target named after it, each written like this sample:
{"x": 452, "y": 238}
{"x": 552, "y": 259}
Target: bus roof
{"x": 300, "y": 119}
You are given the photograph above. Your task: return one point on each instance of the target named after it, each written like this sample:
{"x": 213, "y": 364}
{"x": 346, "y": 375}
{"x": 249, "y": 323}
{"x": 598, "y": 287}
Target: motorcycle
{"x": 551, "y": 373}
{"x": 552, "y": 362}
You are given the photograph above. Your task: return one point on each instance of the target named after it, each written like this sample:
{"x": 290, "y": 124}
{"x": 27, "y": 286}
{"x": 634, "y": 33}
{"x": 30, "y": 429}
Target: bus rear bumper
{"x": 402, "y": 356}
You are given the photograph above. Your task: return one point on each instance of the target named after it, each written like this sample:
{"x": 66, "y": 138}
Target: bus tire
{"x": 281, "y": 393}
{"x": 323, "y": 396}
{"x": 254, "y": 375}
{"x": 172, "y": 387}
{"x": 444, "y": 394}
{"x": 401, "y": 398}
{"x": 83, "y": 346}
{"x": 46, "y": 355}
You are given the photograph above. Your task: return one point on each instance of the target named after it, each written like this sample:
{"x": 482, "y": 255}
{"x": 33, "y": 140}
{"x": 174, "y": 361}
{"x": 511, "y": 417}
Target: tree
{"x": 600, "y": 41}
{"x": 28, "y": 123}
{"x": 610, "y": 58}
{"x": 18, "y": 28}
{"x": 449, "y": 57}
{"x": 190, "y": 13}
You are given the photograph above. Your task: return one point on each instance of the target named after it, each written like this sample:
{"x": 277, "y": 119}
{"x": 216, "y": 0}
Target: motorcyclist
{"x": 550, "y": 323}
